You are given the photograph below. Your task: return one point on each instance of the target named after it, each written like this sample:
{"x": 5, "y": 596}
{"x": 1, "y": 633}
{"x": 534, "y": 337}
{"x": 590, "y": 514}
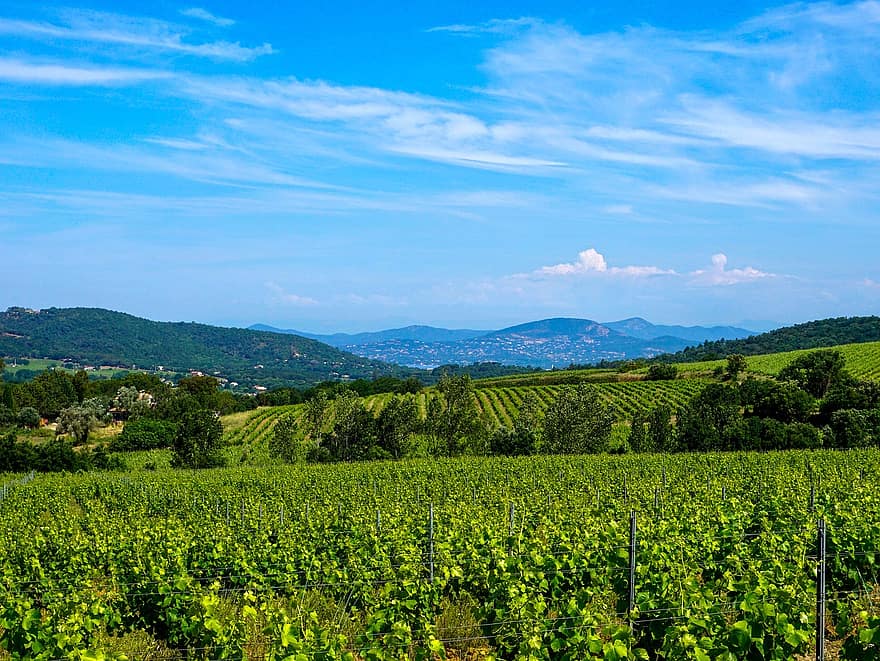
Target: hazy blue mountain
{"x": 415, "y": 333}
{"x": 643, "y": 329}
{"x": 546, "y": 343}
{"x": 558, "y": 341}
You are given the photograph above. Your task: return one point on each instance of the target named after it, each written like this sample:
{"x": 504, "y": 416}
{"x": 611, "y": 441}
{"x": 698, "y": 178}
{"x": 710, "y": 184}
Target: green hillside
{"x": 862, "y": 361}
{"x": 811, "y": 335}
{"x": 98, "y": 337}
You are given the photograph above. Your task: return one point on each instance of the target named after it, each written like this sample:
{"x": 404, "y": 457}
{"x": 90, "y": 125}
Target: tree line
{"x": 812, "y": 403}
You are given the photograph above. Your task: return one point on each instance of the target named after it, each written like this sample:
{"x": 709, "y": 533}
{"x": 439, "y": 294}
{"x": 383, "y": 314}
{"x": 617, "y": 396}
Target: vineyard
{"x": 862, "y": 361}
{"x": 677, "y": 557}
{"x": 499, "y": 406}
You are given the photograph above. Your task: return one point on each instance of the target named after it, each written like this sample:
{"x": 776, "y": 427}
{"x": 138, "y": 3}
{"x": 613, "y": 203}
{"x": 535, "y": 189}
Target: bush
{"x": 144, "y": 434}
{"x": 661, "y": 372}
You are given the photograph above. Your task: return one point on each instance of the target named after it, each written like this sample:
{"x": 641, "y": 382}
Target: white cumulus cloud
{"x": 592, "y": 261}
{"x": 719, "y": 274}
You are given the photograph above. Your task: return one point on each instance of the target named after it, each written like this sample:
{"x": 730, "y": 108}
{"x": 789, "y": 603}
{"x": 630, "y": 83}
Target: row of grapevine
{"x": 519, "y": 558}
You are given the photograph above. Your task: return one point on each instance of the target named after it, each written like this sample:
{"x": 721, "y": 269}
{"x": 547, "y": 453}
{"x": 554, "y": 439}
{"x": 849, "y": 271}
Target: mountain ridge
{"x": 543, "y": 343}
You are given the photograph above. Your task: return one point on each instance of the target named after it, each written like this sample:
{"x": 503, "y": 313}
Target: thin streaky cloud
{"x": 23, "y": 72}
{"x": 99, "y": 27}
{"x": 205, "y": 15}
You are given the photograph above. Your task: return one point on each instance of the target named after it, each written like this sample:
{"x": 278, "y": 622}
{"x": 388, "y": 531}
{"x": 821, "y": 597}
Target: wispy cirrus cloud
{"x": 36, "y": 73}
{"x": 204, "y": 15}
{"x": 129, "y": 31}
{"x": 280, "y": 295}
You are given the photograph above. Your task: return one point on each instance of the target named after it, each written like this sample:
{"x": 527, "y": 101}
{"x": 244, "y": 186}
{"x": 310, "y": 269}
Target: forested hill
{"x": 813, "y": 334}
{"x": 102, "y": 337}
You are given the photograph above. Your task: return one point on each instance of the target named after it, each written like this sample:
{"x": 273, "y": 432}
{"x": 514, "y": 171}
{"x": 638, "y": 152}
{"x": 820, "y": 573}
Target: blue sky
{"x": 352, "y": 166}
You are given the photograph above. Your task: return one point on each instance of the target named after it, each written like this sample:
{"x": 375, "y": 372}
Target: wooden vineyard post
{"x": 820, "y": 593}
{"x": 431, "y": 541}
{"x": 632, "y": 564}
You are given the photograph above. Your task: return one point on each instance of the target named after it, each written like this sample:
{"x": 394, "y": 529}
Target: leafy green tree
{"x": 197, "y": 442}
{"x": 76, "y": 420}
{"x": 397, "y": 423}
{"x": 284, "y": 443}
{"x": 81, "y": 385}
{"x": 317, "y": 413}
{"x": 16, "y": 456}
{"x": 736, "y": 364}
{"x": 144, "y": 434}
{"x": 127, "y": 398}
{"x": 661, "y": 434}
{"x": 49, "y": 392}
{"x": 816, "y": 372}
{"x": 577, "y": 422}
{"x": 855, "y": 429}
{"x": 662, "y": 372}
{"x": 453, "y": 416}
{"x": 710, "y": 419}
{"x": 853, "y": 394}
{"x": 203, "y": 388}
{"x": 29, "y": 417}
{"x": 410, "y": 385}
{"x": 785, "y": 402}
{"x": 354, "y": 428}
{"x": 638, "y": 436}
{"x": 524, "y": 437}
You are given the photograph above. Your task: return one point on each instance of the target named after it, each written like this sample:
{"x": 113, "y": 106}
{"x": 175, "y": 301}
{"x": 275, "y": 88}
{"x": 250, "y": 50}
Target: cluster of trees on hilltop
{"x": 812, "y": 403}
{"x": 811, "y": 335}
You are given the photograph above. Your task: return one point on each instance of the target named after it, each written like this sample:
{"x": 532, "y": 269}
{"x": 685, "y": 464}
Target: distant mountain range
{"x": 546, "y": 343}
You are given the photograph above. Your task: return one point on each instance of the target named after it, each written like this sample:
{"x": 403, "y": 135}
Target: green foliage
{"x": 852, "y": 428}
{"x": 397, "y": 422}
{"x": 454, "y": 419}
{"x": 197, "y": 442}
{"x": 811, "y": 335}
{"x": 144, "y": 434}
{"x": 816, "y": 372}
{"x": 284, "y": 443}
{"x": 77, "y": 421}
{"x": 577, "y": 422}
{"x": 292, "y": 562}
{"x": 637, "y": 440}
{"x": 661, "y": 433}
{"x": 49, "y": 393}
{"x": 354, "y": 432}
{"x": 709, "y": 421}
{"x": 29, "y": 417}
{"x": 287, "y": 360}
{"x": 785, "y": 402}
{"x": 736, "y": 364}
{"x": 661, "y": 372}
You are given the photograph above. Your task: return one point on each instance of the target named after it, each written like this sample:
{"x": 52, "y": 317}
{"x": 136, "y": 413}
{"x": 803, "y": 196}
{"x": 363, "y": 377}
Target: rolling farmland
{"x": 499, "y": 406}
